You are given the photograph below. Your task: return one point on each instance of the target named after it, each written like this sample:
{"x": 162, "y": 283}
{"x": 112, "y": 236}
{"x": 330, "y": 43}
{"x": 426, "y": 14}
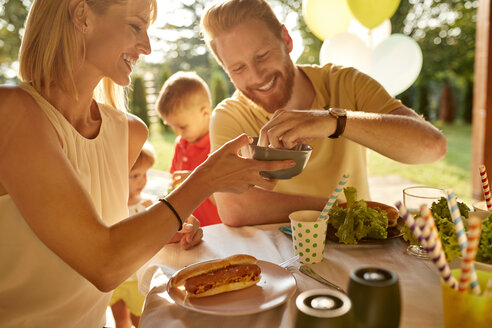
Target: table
{"x": 419, "y": 279}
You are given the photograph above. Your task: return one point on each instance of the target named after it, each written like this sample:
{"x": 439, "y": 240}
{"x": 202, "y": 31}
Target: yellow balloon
{"x": 326, "y": 18}
{"x": 372, "y": 13}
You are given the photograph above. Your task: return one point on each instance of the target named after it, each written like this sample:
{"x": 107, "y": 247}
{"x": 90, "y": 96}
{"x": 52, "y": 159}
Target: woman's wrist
{"x": 176, "y": 214}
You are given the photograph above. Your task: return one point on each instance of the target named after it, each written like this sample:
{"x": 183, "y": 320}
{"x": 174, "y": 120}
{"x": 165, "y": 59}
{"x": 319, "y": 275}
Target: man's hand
{"x": 289, "y": 128}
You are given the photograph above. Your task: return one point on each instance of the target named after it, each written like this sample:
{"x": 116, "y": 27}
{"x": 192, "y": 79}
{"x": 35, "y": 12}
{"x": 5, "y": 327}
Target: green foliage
{"x": 445, "y": 31}
{"x": 138, "y": 102}
{"x": 12, "y": 16}
{"x": 422, "y": 101}
{"x": 468, "y": 102}
{"x": 218, "y": 88}
{"x": 164, "y": 74}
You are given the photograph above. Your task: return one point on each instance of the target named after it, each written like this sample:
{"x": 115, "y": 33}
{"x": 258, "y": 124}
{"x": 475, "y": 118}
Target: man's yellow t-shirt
{"x": 335, "y": 86}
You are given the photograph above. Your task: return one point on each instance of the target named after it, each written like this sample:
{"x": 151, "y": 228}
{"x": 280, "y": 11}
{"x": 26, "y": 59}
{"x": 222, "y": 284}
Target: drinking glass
{"x": 375, "y": 296}
{"x": 413, "y": 198}
{"x": 481, "y": 210}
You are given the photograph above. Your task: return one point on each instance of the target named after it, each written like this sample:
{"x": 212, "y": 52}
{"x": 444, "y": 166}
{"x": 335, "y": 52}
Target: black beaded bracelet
{"x": 165, "y": 201}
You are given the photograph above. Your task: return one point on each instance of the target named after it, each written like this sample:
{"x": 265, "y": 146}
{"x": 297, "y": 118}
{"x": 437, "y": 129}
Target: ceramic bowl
{"x": 300, "y": 154}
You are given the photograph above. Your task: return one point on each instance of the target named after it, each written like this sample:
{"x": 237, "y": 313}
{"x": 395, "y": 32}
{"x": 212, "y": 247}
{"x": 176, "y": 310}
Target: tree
{"x": 447, "y": 108}
{"x": 218, "y": 88}
{"x": 138, "y": 102}
{"x": 422, "y": 99}
{"x": 13, "y": 13}
{"x": 468, "y": 102}
{"x": 445, "y": 31}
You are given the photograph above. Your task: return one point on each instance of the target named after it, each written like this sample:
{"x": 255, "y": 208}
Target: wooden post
{"x": 482, "y": 99}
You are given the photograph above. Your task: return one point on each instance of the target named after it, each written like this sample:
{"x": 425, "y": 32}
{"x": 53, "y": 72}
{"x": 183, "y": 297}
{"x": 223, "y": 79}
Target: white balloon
{"x": 396, "y": 63}
{"x": 371, "y": 37}
{"x": 346, "y": 49}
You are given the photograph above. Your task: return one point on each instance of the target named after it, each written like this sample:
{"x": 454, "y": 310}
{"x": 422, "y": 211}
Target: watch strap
{"x": 341, "y": 122}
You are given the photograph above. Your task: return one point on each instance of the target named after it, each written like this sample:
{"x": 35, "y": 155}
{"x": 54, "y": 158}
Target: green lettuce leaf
{"x": 357, "y": 221}
{"x": 447, "y": 231}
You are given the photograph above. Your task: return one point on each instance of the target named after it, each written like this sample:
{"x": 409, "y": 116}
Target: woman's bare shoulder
{"x": 137, "y": 128}
{"x": 15, "y": 102}
{"x": 13, "y": 94}
{"x": 20, "y": 116}
{"x": 137, "y": 134}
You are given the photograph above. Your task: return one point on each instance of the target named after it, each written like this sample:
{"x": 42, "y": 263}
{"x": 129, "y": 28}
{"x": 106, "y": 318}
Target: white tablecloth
{"x": 419, "y": 279}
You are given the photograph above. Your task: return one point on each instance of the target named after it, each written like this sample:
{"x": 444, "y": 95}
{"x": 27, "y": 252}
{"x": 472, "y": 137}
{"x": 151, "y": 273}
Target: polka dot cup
{"x": 308, "y": 235}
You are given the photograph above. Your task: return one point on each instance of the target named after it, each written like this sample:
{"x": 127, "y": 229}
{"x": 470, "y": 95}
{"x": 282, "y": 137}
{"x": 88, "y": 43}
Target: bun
{"x": 226, "y": 288}
{"x": 219, "y": 276}
{"x": 212, "y": 265}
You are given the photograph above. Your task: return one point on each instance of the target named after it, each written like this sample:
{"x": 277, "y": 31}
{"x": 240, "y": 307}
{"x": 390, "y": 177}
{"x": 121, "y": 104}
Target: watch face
{"x": 338, "y": 111}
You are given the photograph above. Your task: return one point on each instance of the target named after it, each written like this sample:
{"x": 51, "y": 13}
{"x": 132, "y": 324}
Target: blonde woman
{"x": 66, "y": 147}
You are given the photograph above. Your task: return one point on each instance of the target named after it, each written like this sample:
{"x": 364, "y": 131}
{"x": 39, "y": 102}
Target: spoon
{"x": 309, "y": 272}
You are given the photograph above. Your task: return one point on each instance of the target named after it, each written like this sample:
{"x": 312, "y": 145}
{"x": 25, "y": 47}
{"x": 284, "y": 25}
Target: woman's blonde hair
{"x": 221, "y": 16}
{"x": 51, "y": 48}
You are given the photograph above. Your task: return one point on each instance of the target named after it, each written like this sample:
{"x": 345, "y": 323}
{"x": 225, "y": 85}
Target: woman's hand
{"x": 190, "y": 235}
{"x": 289, "y": 128}
{"x": 226, "y": 171}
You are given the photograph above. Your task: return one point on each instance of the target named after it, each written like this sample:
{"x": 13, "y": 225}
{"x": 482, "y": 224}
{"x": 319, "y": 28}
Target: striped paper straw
{"x": 333, "y": 197}
{"x": 467, "y": 268}
{"x": 410, "y": 222}
{"x": 488, "y": 289}
{"x": 434, "y": 247}
{"x": 485, "y": 187}
{"x": 457, "y": 221}
{"x": 460, "y": 232}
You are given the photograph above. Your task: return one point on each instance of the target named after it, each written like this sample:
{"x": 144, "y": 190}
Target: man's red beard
{"x": 284, "y": 84}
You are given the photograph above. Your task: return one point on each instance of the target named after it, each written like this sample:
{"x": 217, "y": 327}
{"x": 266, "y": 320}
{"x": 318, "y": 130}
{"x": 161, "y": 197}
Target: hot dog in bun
{"x": 219, "y": 276}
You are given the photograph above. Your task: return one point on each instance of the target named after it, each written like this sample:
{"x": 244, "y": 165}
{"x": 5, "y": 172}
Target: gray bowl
{"x": 300, "y": 154}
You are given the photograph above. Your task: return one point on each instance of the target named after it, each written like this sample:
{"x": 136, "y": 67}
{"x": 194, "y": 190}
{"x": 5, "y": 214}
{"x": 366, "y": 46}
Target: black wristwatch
{"x": 341, "y": 116}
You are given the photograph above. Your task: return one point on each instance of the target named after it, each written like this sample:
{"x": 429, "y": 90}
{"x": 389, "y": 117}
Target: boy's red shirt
{"x": 187, "y": 156}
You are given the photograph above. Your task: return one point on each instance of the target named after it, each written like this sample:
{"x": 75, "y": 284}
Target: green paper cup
{"x": 463, "y": 309}
{"x": 308, "y": 235}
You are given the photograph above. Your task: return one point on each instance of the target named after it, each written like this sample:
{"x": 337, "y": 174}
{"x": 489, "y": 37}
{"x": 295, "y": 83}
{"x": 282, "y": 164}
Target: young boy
{"x": 127, "y": 302}
{"x": 184, "y": 104}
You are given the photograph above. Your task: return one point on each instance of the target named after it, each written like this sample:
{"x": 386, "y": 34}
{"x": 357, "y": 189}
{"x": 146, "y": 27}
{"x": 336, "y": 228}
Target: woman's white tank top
{"x": 37, "y": 288}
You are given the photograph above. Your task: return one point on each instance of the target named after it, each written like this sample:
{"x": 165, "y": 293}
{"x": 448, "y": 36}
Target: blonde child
{"x": 127, "y": 302}
{"x": 184, "y": 104}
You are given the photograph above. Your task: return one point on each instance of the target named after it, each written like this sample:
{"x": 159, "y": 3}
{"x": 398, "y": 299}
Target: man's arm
{"x": 260, "y": 206}
{"x": 401, "y": 135}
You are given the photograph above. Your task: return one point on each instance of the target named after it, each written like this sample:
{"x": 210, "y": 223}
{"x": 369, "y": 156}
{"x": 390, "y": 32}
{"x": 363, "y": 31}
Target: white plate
{"x": 276, "y": 286}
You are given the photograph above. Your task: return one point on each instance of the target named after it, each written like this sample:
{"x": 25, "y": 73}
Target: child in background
{"x": 127, "y": 302}
{"x": 184, "y": 104}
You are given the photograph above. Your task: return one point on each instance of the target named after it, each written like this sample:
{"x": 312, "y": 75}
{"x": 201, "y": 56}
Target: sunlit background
{"x": 437, "y": 81}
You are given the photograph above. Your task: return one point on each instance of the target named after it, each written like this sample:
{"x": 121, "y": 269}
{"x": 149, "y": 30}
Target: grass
{"x": 163, "y": 142}
{"x": 453, "y": 171}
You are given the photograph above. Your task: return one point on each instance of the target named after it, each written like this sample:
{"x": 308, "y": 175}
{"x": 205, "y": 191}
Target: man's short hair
{"x": 178, "y": 89}
{"x": 221, "y": 16}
